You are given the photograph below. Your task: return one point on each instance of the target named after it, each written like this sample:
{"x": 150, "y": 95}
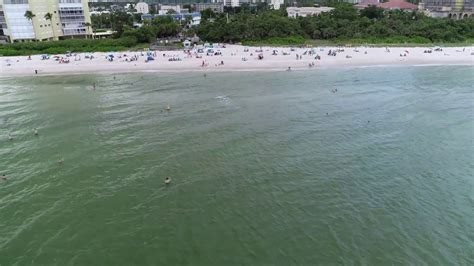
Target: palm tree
{"x": 88, "y": 25}
{"x": 49, "y": 16}
{"x": 29, "y": 15}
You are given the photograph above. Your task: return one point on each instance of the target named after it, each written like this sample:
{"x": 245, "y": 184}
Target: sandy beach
{"x": 234, "y": 58}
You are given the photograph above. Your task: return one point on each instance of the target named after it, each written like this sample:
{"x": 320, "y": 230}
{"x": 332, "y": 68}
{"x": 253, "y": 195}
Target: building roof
{"x": 391, "y": 4}
{"x": 365, "y": 3}
{"x": 398, "y": 4}
{"x": 309, "y": 9}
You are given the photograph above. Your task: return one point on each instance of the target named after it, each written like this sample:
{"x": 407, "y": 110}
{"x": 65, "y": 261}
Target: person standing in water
{"x": 4, "y": 177}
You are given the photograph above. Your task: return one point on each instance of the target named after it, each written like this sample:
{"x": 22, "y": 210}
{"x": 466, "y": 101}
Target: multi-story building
{"x": 142, "y": 8}
{"x": 165, "y": 9}
{"x": 456, "y": 9}
{"x": 216, "y": 7}
{"x": 68, "y": 19}
{"x": 294, "y": 12}
{"x": 3, "y": 25}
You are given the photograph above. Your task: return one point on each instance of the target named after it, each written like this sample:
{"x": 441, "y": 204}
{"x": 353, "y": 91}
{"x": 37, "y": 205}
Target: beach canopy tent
{"x": 187, "y": 44}
{"x": 110, "y": 57}
{"x": 398, "y": 4}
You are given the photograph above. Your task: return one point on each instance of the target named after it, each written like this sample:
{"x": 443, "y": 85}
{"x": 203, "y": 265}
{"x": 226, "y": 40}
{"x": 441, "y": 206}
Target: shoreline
{"x": 237, "y": 58}
{"x": 181, "y": 71}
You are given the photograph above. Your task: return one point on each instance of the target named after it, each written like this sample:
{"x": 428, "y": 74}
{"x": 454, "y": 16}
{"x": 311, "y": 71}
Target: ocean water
{"x": 267, "y": 168}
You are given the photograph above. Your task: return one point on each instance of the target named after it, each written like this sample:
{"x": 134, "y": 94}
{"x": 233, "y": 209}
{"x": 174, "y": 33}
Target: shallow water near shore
{"x": 266, "y": 168}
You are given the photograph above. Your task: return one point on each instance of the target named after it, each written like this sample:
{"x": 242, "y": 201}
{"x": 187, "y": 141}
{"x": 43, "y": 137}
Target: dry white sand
{"x": 232, "y": 57}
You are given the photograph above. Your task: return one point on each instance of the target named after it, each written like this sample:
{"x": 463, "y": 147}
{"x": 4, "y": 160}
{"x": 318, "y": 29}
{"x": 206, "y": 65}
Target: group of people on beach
{"x": 308, "y": 54}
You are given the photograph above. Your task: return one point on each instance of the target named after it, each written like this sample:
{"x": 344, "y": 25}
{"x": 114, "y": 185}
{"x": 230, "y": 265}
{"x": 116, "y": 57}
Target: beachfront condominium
{"x": 456, "y": 9}
{"x": 40, "y": 20}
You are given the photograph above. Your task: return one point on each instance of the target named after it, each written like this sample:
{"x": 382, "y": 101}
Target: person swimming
{"x": 10, "y": 137}
{"x": 4, "y": 177}
{"x": 36, "y": 131}
{"x": 168, "y": 108}
{"x": 61, "y": 160}
{"x": 167, "y": 180}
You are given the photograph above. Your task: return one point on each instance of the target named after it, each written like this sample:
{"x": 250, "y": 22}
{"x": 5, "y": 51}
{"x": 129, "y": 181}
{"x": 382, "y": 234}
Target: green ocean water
{"x": 267, "y": 168}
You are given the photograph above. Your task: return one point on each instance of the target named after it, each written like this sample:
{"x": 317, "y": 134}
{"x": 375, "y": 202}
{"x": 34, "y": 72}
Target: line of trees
{"x": 61, "y": 47}
{"x": 157, "y": 28}
{"x": 122, "y": 24}
{"x": 259, "y": 23}
{"x": 342, "y": 23}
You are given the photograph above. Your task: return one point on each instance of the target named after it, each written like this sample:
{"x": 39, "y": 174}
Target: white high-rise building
{"x": 68, "y": 18}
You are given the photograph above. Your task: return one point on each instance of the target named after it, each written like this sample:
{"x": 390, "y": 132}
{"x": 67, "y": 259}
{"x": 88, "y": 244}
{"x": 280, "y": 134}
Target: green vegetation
{"x": 376, "y": 42}
{"x": 61, "y": 47}
{"x": 259, "y": 25}
{"x": 288, "y": 41}
{"x": 372, "y": 25}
